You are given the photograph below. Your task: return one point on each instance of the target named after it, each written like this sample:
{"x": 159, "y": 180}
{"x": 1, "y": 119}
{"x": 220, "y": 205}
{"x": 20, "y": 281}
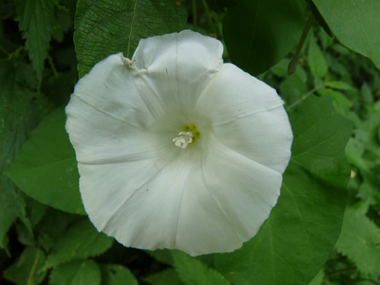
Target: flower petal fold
{"x": 177, "y": 67}
{"x": 248, "y": 116}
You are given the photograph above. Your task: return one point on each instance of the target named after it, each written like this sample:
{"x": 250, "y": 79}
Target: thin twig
{"x": 208, "y": 15}
{"x": 293, "y": 64}
{"x": 295, "y": 103}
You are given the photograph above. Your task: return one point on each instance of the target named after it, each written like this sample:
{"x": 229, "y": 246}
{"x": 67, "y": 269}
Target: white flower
{"x": 176, "y": 149}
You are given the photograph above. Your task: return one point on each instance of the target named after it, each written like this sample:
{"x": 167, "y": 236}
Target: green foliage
{"x": 258, "y": 34}
{"x": 359, "y": 240}
{"x": 107, "y": 27}
{"x": 47, "y": 162}
{"x": 34, "y": 18}
{"x": 81, "y": 241}
{"x": 27, "y": 269}
{"x": 78, "y": 272}
{"x": 113, "y": 274}
{"x": 169, "y": 276}
{"x": 317, "y": 62}
{"x": 303, "y": 227}
{"x": 318, "y": 278}
{"x": 21, "y": 108}
{"x": 352, "y": 22}
{"x": 192, "y": 271}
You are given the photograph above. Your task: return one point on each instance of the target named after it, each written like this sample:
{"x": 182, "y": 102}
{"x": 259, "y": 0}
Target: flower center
{"x": 184, "y": 139}
{"x": 188, "y": 135}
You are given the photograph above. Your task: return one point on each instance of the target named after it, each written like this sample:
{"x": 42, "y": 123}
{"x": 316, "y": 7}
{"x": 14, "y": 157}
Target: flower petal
{"x": 225, "y": 202}
{"x": 108, "y": 121}
{"x": 248, "y": 116}
{"x": 177, "y": 67}
{"x": 183, "y": 201}
{"x": 137, "y": 202}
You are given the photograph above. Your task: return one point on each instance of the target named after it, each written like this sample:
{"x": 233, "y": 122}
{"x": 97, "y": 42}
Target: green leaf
{"x": 78, "y": 272}
{"x": 60, "y": 24}
{"x": 316, "y": 60}
{"x": 258, "y": 34}
{"x": 46, "y": 168}
{"x": 366, "y": 93}
{"x": 340, "y": 85}
{"x": 359, "y": 240}
{"x": 297, "y": 238}
{"x": 281, "y": 68}
{"x": 34, "y": 17}
{"x": 81, "y": 241}
{"x": 318, "y": 278}
{"x": 162, "y": 255}
{"x": 20, "y": 111}
{"x": 113, "y": 274}
{"x": 318, "y": 17}
{"x": 26, "y": 270}
{"x": 341, "y": 103}
{"x": 53, "y": 226}
{"x": 355, "y": 24}
{"x": 106, "y": 27}
{"x": 192, "y": 271}
{"x": 11, "y": 205}
{"x": 169, "y": 276}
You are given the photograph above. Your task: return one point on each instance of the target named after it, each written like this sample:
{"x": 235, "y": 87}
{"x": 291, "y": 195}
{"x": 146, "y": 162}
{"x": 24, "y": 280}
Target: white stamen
{"x": 184, "y": 139}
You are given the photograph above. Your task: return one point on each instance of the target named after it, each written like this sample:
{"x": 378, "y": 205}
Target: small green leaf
{"x": 297, "y": 238}
{"x": 316, "y": 60}
{"x": 106, "y": 27}
{"x": 162, "y": 255}
{"x": 81, "y": 241}
{"x": 192, "y": 271}
{"x": 46, "y": 168}
{"x": 360, "y": 241}
{"x": 355, "y": 24}
{"x": 169, "y": 276}
{"x": 35, "y": 17}
{"x": 341, "y": 103}
{"x": 78, "y": 272}
{"x": 113, "y": 274}
{"x": 27, "y": 269}
{"x": 340, "y": 85}
{"x": 258, "y": 34}
{"x": 366, "y": 93}
{"x": 281, "y": 68}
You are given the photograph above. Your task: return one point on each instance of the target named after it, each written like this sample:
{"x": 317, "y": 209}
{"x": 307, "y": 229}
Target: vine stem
{"x": 195, "y": 15}
{"x": 295, "y": 103}
{"x": 208, "y": 15}
{"x": 293, "y": 64}
{"x": 31, "y": 274}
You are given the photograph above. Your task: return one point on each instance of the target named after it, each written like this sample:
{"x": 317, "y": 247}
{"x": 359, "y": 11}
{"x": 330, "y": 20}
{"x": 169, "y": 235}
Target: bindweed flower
{"x": 176, "y": 149}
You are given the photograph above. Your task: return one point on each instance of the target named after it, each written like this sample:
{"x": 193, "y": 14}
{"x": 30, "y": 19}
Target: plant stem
{"x": 208, "y": 15}
{"x": 195, "y": 15}
{"x": 295, "y": 103}
{"x": 293, "y": 64}
{"x": 219, "y": 19}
